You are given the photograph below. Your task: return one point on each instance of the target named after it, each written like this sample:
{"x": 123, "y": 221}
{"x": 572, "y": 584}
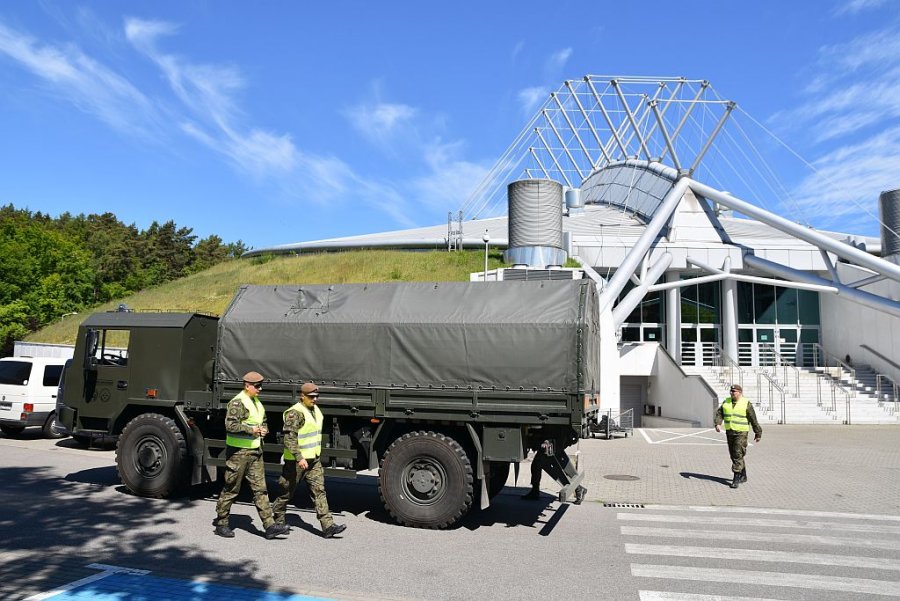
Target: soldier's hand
{"x": 263, "y": 431}
{"x": 757, "y": 439}
{"x": 303, "y": 464}
{"x": 718, "y": 428}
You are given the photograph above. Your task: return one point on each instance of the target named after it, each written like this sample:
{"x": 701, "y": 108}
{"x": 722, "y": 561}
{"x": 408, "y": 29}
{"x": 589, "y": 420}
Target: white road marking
{"x": 812, "y": 539}
{"x": 664, "y": 596}
{"x": 820, "y": 559}
{"x": 107, "y": 570}
{"x": 678, "y": 436}
{"x": 797, "y": 512}
{"x": 806, "y": 581}
{"x": 731, "y": 522}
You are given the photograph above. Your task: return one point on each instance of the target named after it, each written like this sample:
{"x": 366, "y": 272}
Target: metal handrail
{"x": 772, "y": 385}
{"x": 818, "y": 347}
{"x": 725, "y": 362}
{"x": 880, "y": 391}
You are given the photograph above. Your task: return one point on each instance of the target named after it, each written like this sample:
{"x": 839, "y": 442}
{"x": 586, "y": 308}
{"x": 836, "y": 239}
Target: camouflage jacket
{"x": 237, "y": 413}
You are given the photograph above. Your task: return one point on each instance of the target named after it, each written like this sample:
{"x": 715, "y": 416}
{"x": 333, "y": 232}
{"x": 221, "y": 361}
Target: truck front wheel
{"x": 151, "y": 455}
{"x": 425, "y": 480}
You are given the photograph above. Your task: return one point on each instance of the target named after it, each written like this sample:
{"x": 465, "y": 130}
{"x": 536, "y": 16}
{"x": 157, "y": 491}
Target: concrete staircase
{"x": 804, "y": 387}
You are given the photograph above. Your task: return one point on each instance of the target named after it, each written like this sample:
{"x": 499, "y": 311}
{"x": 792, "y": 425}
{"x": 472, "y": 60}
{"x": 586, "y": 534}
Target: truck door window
{"x": 16, "y": 373}
{"x": 112, "y": 349}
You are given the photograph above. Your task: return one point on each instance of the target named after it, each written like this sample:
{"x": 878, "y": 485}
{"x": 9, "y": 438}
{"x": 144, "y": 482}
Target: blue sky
{"x": 287, "y": 121}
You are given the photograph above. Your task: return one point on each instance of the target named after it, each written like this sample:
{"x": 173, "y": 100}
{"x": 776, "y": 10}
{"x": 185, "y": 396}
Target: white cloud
{"x": 517, "y": 49}
{"x": 450, "y": 180}
{"x": 531, "y": 98}
{"x": 89, "y": 85}
{"x": 558, "y": 60}
{"x": 380, "y": 122}
{"x": 855, "y": 6}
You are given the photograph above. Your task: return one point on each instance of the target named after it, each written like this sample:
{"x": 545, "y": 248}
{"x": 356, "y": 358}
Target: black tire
{"x": 425, "y": 480}
{"x": 11, "y": 431}
{"x": 497, "y": 478}
{"x": 51, "y": 427}
{"x": 151, "y": 456}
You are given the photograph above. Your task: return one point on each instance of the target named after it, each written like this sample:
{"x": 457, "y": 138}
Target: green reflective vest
{"x": 255, "y": 418}
{"x": 735, "y": 415}
{"x": 309, "y": 436}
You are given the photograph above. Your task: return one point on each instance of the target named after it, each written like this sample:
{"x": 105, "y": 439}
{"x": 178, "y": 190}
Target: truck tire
{"x": 51, "y": 427}
{"x": 151, "y": 456}
{"x": 425, "y": 480}
{"x": 11, "y": 431}
{"x": 497, "y": 478}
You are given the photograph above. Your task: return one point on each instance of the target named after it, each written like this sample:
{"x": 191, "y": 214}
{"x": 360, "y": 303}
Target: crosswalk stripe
{"x": 757, "y": 522}
{"x": 767, "y": 511}
{"x": 849, "y": 561}
{"x": 743, "y": 577}
{"x": 665, "y": 596}
{"x": 833, "y": 541}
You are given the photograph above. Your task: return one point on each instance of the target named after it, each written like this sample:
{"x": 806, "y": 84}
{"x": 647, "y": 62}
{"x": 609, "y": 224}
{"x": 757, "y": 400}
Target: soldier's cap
{"x": 253, "y": 377}
{"x": 309, "y": 388}
{"x": 737, "y": 387}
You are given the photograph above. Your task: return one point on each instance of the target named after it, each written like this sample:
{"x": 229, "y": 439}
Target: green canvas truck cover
{"x": 526, "y": 335}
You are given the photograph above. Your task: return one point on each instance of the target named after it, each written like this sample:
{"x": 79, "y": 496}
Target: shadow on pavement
{"x": 689, "y": 475}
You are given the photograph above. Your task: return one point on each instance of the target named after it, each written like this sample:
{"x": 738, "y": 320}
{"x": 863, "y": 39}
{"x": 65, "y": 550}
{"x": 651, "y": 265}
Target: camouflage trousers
{"x": 240, "y": 464}
{"x": 314, "y": 475}
{"x": 737, "y": 448}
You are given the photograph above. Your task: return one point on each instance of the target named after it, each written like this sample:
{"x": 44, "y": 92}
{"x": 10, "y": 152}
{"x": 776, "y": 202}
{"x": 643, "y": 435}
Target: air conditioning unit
{"x": 528, "y": 274}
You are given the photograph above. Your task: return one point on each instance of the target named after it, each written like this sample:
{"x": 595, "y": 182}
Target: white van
{"x": 28, "y": 387}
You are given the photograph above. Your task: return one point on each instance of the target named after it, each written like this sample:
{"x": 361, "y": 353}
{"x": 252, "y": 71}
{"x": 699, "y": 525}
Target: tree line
{"x": 51, "y": 266}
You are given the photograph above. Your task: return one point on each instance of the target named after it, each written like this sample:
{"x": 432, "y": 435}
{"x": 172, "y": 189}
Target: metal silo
{"x": 889, "y": 206}
{"x": 535, "y": 223}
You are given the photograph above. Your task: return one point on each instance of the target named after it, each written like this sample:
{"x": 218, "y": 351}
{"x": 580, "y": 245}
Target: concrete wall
{"x": 847, "y": 325}
{"x": 679, "y": 395}
{"x": 41, "y": 349}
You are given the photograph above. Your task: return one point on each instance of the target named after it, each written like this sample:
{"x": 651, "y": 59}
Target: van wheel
{"x": 151, "y": 456}
{"x": 11, "y": 431}
{"x": 425, "y": 480}
{"x": 51, "y": 427}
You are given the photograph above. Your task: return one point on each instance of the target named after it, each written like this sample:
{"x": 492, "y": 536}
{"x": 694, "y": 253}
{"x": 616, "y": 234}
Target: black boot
{"x": 580, "y": 491}
{"x": 532, "y": 495}
{"x": 333, "y": 529}
{"x": 224, "y": 531}
{"x": 744, "y": 475}
{"x": 737, "y": 480}
{"x": 276, "y": 530}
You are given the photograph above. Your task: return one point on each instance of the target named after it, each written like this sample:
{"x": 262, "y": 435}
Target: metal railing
{"x": 885, "y": 386}
{"x": 772, "y": 389}
{"x": 728, "y": 369}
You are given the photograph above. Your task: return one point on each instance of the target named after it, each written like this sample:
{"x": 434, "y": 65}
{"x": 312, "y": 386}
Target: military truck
{"x": 440, "y": 386}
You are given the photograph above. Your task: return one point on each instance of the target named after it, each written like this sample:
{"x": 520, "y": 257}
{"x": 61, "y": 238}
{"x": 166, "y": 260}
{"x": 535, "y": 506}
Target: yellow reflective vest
{"x": 255, "y": 417}
{"x": 735, "y": 415}
{"x": 309, "y": 436}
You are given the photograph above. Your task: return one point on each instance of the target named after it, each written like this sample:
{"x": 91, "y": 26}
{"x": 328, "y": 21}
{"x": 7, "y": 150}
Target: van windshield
{"x": 15, "y": 372}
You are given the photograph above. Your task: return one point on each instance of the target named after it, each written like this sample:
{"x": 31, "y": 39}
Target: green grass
{"x": 210, "y": 291}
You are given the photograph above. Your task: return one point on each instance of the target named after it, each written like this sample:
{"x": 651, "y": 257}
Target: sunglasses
{"x": 257, "y": 386}
{"x": 314, "y": 395}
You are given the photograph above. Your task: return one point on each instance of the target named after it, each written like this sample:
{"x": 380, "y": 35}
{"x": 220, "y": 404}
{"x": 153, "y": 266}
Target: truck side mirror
{"x": 90, "y": 349}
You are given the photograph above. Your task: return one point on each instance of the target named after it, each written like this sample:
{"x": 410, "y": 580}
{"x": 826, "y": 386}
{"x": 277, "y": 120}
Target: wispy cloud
{"x": 517, "y": 49}
{"x": 851, "y": 108}
{"x": 558, "y": 60}
{"x": 450, "y": 180}
{"x": 855, "y": 6}
{"x": 531, "y": 98}
{"x": 380, "y": 122}
{"x": 86, "y": 83}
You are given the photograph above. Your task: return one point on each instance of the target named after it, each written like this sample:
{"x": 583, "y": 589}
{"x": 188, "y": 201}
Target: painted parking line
{"x": 114, "y": 584}
{"x": 681, "y": 438}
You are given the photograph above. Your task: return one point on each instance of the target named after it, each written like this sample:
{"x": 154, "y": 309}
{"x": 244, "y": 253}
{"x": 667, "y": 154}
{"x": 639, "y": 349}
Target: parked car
{"x": 28, "y": 392}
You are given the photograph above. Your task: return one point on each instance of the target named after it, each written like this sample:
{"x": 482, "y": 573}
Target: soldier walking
{"x": 245, "y": 427}
{"x": 738, "y": 415}
{"x": 302, "y": 448}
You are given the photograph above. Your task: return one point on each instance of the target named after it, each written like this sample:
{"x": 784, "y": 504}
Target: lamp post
{"x": 487, "y": 238}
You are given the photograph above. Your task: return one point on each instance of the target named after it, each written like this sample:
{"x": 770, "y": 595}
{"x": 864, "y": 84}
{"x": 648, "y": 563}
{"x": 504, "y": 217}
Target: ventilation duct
{"x": 889, "y": 205}
{"x": 535, "y": 223}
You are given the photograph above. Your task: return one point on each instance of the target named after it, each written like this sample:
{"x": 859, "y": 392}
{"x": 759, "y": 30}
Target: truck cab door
{"x": 108, "y": 360}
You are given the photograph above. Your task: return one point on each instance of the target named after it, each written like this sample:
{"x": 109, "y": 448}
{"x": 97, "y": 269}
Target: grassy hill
{"x": 210, "y": 291}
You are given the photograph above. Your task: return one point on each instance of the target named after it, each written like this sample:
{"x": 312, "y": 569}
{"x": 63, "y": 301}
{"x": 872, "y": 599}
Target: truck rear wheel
{"x": 151, "y": 456}
{"x": 425, "y": 480}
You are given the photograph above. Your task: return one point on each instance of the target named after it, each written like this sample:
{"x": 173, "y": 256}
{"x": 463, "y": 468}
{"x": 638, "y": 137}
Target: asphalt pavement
{"x": 818, "y": 519}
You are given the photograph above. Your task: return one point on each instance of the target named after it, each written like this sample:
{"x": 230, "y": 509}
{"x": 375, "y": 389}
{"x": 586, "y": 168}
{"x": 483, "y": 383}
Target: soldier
{"x": 303, "y": 439}
{"x": 738, "y": 415}
{"x": 540, "y": 462}
{"x": 245, "y": 427}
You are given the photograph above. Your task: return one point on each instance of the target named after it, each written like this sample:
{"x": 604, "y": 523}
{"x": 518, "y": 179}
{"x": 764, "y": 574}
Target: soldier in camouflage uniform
{"x": 302, "y": 447}
{"x": 245, "y": 427}
{"x": 738, "y": 415}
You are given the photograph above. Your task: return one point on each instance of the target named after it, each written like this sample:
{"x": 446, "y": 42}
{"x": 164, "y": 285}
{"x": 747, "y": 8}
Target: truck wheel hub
{"x": 149, "y": 457}
{"x": 424, "y": 480}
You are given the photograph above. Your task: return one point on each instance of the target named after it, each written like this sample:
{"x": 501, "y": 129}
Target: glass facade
{"x": 764, "y": 304}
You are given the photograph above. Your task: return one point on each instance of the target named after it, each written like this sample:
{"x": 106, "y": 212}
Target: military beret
{"x": 253, "y": 377}
{"x": 309, "y": 388}
{"x": 737, "y": 387}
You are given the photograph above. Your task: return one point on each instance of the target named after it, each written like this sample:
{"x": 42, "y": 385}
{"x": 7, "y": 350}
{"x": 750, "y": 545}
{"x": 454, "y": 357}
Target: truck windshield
{"x": 15, "y": 372}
